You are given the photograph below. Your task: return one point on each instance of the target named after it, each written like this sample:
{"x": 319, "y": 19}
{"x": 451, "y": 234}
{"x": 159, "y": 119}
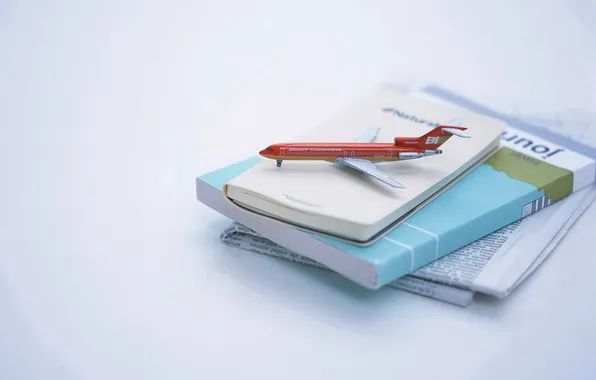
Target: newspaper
{"x": 494, "y": 265}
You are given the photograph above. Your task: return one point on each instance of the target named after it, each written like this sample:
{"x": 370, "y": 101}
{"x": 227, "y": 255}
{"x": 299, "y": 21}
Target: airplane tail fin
{"x": 435, "y": 138}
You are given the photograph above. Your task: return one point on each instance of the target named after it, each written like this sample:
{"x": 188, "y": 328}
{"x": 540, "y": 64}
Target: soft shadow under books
{"x": 327, "y": 296}
{"x": 310, "y": 291}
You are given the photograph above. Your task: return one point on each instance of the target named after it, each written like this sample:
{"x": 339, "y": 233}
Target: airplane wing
{"x": 366, "y": 166}
{"x": 369, "y": 135}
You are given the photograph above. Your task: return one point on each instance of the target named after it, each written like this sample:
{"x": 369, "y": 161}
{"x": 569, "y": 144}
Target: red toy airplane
{"x": 361, "y": 154}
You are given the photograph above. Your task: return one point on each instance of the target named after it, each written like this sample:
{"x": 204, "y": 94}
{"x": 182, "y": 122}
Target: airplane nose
{"x": 263, "y": 153}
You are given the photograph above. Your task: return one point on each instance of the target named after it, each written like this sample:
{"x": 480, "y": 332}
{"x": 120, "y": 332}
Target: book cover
{"x": 526, "y": 174}
{"x": 330, "y": 198}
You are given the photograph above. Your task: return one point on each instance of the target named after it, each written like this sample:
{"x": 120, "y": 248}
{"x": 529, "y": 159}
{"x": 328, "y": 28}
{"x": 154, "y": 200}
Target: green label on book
{"x": 556, "y": 182}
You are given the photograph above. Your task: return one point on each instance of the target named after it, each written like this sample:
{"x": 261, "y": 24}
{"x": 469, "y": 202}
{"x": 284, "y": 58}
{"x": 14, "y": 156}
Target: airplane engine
{"x": 430, "y": 152}
{"x": 409, "y": 155}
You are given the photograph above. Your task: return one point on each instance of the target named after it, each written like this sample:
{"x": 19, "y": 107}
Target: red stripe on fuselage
{"x": 333, "y": 150}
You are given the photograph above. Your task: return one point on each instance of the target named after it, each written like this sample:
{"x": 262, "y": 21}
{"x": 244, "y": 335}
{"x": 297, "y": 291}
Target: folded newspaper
{"x": 494, "y": 265}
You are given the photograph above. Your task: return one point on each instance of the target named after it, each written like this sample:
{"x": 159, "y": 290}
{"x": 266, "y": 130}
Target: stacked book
{"x": 433, "y": 234}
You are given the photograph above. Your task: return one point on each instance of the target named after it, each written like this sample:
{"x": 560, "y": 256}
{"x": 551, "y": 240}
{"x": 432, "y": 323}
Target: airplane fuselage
{"x": 332, "y": 151}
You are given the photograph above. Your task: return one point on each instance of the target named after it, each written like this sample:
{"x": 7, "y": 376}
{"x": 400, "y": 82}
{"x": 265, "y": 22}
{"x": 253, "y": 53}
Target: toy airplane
{"x": 361, "y": 154}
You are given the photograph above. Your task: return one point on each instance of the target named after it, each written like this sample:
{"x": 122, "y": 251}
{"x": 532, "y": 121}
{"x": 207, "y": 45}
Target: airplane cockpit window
{"x": 270, "y": 149}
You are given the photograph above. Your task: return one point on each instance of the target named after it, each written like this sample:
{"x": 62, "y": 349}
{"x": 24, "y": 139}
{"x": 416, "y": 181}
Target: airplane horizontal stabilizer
{"x": 455, "y": 131}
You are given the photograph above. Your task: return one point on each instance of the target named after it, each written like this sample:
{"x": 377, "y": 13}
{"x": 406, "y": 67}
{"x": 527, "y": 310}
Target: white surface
{"x": 109, "y": 267}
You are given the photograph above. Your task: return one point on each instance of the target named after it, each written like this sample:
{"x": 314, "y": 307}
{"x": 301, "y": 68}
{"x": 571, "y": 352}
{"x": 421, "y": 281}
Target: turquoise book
{"x": 527, "y": 173}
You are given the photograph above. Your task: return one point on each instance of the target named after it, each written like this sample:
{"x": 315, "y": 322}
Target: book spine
{"x": 558, "y": 160}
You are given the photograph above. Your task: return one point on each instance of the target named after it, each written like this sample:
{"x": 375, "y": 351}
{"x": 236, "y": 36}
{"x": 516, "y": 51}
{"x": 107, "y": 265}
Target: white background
{"x": 110, "y": 268}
